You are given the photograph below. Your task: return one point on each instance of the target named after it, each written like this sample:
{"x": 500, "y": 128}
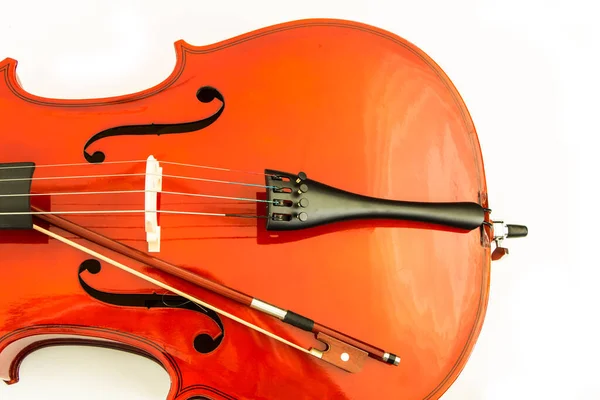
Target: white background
{"x": 527, "y": 70}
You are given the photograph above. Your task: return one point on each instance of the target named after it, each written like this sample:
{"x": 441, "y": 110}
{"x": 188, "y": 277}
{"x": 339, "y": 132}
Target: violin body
{"x": 346, "y": 103}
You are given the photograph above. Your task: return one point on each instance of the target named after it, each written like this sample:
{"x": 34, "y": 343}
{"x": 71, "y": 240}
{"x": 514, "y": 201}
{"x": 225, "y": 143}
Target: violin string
{"x": 135, "y": 191}
{"x": 87, "y": 212}
{"x": 215, "y": 168}
{"x": 162, "y": 299}
{"x": 140, "y": 174}
{"x": 136, "y": 162}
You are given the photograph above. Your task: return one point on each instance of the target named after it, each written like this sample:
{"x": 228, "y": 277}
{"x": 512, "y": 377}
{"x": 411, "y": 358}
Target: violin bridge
{"x": 340, "y": 354}
{"x": 153, "y": 186}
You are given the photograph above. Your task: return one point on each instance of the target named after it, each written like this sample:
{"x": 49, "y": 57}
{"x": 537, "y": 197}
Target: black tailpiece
{"x": 15, "y": 179}
{"x": 299, "y": 202}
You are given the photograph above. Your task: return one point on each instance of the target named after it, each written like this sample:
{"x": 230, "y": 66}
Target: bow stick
{"x": 342, "y": 351}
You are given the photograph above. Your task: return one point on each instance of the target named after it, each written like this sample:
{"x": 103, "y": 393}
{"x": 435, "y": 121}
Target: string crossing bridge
{"x": 16, "y": 184}
{"x": 153, "y": 185}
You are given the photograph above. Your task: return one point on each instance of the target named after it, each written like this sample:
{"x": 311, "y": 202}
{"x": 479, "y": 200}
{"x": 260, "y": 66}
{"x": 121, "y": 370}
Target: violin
{"x": 299, "y": 212}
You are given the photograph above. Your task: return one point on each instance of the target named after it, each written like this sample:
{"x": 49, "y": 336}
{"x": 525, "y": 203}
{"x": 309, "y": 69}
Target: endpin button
{"x": 303, "y": 202}
{"x": 303, "y": 217}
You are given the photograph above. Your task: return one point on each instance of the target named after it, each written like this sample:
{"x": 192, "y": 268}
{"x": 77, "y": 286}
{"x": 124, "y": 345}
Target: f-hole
{"x": 205, "y": 94}
{"x": 203, "y": 343}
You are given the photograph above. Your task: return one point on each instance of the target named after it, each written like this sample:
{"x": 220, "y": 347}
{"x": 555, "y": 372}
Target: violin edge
{"x": 9, "y": 65}
{"x": 41, "y": 337}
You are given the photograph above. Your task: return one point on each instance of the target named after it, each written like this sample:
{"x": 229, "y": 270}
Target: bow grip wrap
{"x": 15, "y": 179}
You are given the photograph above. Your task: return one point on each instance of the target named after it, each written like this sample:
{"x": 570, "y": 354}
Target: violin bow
{"x": 16, "y": 212}
{"x": 342, "y": 351}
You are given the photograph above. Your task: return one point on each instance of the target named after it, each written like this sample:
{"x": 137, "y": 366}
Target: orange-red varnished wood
{"x": 352, "y": 106}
